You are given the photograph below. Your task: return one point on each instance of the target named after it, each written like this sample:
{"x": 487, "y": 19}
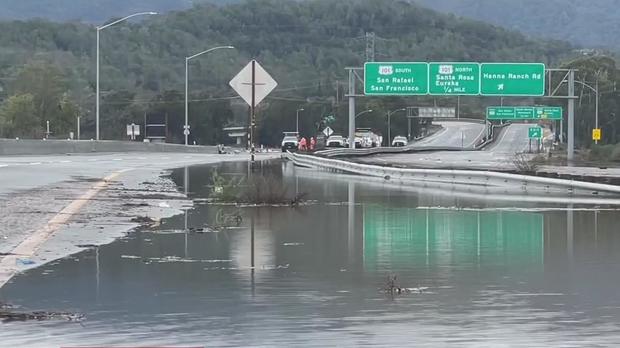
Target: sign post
{"x": 253, "y": 84}
{"x": 535, "y": 133}
{"x": 133, "y": 130}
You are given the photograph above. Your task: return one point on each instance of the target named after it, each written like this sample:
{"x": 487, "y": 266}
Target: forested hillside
{"x": 585, "y": 23}
{"x": 90, "y": 11}
{"x": 48, "y": 69}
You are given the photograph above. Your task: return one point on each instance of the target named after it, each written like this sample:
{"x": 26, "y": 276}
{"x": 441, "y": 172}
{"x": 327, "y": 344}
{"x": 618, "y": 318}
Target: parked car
{"x": 399, "y": 141}
{"x": 335, "y": 141}
{"x": 290, "y": 142}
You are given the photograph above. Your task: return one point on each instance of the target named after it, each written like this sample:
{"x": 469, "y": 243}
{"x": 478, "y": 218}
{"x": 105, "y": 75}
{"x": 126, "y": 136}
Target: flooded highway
{"x": 476, "y": 272}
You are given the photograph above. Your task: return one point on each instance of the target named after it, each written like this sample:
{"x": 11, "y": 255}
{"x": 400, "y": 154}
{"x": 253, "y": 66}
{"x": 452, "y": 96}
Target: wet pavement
{"x": 493, "y": 273}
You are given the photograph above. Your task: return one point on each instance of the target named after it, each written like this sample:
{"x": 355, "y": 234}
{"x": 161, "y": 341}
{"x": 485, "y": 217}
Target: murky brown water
{"x": 497, "y": 274}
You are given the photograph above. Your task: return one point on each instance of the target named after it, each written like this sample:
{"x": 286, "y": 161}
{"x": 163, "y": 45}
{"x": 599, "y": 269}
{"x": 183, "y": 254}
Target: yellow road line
{"x": 29, "y": 246}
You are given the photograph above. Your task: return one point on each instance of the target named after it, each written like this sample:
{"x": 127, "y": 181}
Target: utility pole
{"x": 571, "y": 116}
{"x": 370, "y": 46}
{"x": 253, "y": 111}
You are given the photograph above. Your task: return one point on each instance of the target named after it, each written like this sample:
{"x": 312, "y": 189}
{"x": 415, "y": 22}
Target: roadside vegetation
{"x": 604, "y": 153}
{"x": 258, "y": 189}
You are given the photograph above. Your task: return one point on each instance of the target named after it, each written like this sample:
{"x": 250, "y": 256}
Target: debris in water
{"x": 393, "y": 289}
{"x": 145, "y": 220}
{"x": 87, "y": 246}
{"x": 24, "y": 262}
{"x": 201, "y": 230}
{"x": 136, "y": 204}
{"x": 9, "y": 316}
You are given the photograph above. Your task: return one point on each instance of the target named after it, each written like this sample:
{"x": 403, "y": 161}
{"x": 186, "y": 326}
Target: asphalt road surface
{"x": 454, "y": 134}
{"x": 52, "y": 206}
{"x": 500, "y": 155}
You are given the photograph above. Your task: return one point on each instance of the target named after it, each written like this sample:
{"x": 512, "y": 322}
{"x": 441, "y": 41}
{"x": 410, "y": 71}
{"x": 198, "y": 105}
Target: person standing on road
{"x": 312, "y": 143}
{"x": 302, "y": 145}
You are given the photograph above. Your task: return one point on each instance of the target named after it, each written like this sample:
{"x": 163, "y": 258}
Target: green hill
{"x": 304, "y": 45}
{"x": 591, "y": 24}
{"x": 90, "y": 11}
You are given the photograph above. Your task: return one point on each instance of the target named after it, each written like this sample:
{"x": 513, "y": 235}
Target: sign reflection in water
{"x": 400, "y": 236}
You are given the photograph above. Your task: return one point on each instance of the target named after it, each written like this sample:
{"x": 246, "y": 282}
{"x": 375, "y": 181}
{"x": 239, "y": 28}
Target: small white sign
{"x": 133, "y": 130}
{"x": 263, "y": 83}
{"x": 328, "y": 132}
{"x": 446, "y": 70}
{"x": 386, "y": 70}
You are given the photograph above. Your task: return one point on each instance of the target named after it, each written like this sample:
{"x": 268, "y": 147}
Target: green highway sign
{"x": 549, "y": 113}
{"x": 535, "y": 133}
{"x": 500, "y": 113}
{"x": 454, "y": 78}
{"x": 523, "y": 113}
{"x": 512, "y": 79}
{"x": 395, "y": 78}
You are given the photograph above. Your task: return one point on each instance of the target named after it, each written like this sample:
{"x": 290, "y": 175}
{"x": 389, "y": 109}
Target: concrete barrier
{"x": 51, "y": 147}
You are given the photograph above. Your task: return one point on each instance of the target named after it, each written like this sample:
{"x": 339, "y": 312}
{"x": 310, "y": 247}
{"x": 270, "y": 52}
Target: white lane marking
{"x": 117, "y": 159}
{"x": 93, "y": 160}
{"x": 29, "y": 246}
{"x": 34, "y": 163}
{"x": 3, "y": 165}
{"x": 65, "y": 162}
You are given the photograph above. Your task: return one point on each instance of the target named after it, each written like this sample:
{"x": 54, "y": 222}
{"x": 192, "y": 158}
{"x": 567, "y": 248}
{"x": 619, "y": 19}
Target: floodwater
{"x": 482, "y": 273}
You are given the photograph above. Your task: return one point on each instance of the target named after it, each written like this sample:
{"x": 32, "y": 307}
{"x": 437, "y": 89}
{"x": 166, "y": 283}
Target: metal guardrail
{"x": 389, "y": 150}
{"x": 488, "y": 179}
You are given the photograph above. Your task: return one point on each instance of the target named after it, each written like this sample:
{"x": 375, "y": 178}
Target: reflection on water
{"x": 498, "y": 274}
{"x": 394, "y": 237}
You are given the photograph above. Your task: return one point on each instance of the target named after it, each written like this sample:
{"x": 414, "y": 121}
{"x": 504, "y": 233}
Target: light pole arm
{"x": 125, "y": 18}
{"x": 207, "y": 51}
{"x": 588, "y": 86}
{"x": 187, "y": 59}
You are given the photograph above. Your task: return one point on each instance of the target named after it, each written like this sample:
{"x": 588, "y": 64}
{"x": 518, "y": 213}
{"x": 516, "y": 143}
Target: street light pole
{"x": 187, "y": 59}
{"x": 596, "y": 94}
{"x": 297, "y": 127}
{"x": 363, "y": 112}
{"x": 97, "y": 91}
{"x": 99, "y": 29}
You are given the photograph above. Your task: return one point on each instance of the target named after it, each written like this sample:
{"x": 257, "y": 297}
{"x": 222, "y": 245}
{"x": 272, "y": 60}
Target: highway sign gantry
{"x": 524, "y": 113}
{"x": 396, "y": 78}
{"x": 454, "y": 78}
{"x": 512, "y": 79}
